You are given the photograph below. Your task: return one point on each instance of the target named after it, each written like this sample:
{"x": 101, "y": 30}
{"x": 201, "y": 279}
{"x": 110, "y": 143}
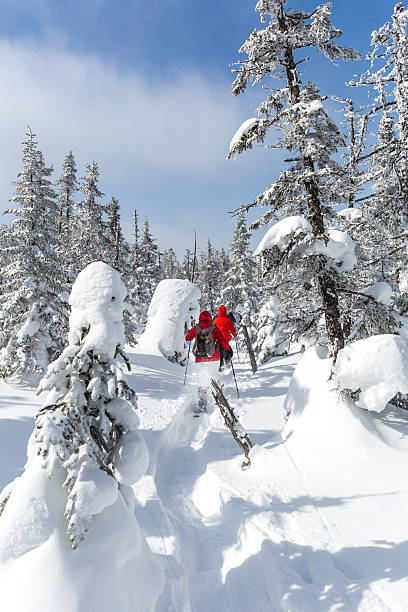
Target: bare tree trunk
{"x": 116, "y": 262}
{"x": 352, "y": 160}
{"x": 194, "y": 258}
{"x": 250, "y": 350}
{"x": 231, "y": 421}
{"x": 401, "y": 43}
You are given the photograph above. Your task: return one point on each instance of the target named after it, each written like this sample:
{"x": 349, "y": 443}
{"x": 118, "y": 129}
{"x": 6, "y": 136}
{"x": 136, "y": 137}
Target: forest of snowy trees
{"x": 60, "y": 228}
{"x": 335, "y": 256}
{"x": 332, "y": 266}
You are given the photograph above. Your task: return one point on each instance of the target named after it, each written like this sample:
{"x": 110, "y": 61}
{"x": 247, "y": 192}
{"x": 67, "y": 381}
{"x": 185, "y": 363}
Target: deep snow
{"x": 316, "y": 524}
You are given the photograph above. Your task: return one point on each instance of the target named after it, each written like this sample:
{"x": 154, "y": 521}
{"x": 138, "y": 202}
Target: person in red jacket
{"x": 226, "y": 326}
{"x": 207, "y": 357}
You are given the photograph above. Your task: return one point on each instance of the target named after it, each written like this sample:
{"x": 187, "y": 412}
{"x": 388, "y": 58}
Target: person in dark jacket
{"x": 207, "y": 336}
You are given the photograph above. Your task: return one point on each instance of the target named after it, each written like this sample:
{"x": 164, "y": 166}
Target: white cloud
{"x": 161, "y": 145}
{"x": 131, "y": 125}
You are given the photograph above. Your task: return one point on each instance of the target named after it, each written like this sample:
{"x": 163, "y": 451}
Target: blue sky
{"x": 144, "y": 89}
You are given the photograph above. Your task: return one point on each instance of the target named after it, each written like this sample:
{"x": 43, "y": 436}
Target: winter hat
{"x": 205, "y": 319}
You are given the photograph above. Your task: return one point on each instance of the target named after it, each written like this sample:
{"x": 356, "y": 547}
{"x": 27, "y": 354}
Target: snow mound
{"x": 377, "y": 367}
{"x": 281, "y": 232}
{"x": 111, "y": 570}
{"x": 97, "y": 302}
{"x": 351, "y": 215}
{"x": 242, "y": 131}
{"x": 173, "y": 309}
{"x": 381, "y": 292}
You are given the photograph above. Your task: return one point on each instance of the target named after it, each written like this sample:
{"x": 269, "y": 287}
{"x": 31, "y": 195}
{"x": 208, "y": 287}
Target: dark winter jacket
{"x": 224, "y": 324}
{"x": 205, "y": 322}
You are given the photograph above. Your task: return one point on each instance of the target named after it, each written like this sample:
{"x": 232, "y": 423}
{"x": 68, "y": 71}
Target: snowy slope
{"x": 316, "y": 524}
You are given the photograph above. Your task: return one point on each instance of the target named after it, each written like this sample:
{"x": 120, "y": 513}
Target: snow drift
{"x": 172, "y": 312}
{"x": 375, "y": 369}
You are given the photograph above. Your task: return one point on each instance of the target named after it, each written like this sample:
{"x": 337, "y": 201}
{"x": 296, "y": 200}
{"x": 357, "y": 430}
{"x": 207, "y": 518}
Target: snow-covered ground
{"x": 317, "y": 523}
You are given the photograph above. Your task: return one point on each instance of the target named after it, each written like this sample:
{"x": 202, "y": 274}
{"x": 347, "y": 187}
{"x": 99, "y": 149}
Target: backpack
{"x": 204, "y": 346}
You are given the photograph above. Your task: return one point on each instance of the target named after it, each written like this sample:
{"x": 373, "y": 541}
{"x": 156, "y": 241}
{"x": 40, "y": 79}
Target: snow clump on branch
{"x": 296, "y": 230}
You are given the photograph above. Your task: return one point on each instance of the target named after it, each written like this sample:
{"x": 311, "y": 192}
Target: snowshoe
{"x": 197, "y": 411}
{"x": 202, "y": 401}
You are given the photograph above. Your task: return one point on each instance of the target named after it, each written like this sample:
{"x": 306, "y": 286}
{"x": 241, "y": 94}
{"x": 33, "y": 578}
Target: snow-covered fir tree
{"x": 224, "y": 261}
{"x": 147, "y": 275}
{"x": 34, "y": 278}
{"x": 117, "y": 248}
{"x": 88, "y": 423}
{"x": 377, "y": 229}
{"x": 209, "y": 279}
{"x": 89, "y": 242}
{"x": 186, "y": 266}
{"x": 382, "y": 230}
{"x": 133, "y": 278}
{"x": 311, "y": 137}
{"x": 134, "y": 253}
{"x": 170, "y": 266}
{"x": 239, "y": 287}
{"x": 117, "y": 254}
{"x": 84, "y": 456}
{"x": 270, "y": 339}
{"x": 67, "y": 186}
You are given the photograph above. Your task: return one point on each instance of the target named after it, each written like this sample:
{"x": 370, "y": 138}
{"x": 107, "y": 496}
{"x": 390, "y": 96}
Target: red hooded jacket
{"x": 225, "y": 324}
{"x": 205, "y": 321}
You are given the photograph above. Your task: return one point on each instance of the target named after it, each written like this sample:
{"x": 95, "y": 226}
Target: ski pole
{"x": 233, "y": 372}
{"x": 188, "y": 357}
{"x": 236, "y": 342}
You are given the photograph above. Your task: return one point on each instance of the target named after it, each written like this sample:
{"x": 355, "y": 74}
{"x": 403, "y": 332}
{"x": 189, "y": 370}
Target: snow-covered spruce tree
{"x": 186, "y": 266}
{"x": 149, "y": 264}
{"x": 209, "y": 279}
{"x": 88, "y": 423}
{"x": 34, "y": 279}
{"x": 272, "y": 338}
{"x": 84, "y": 455}
{"x": 89, "y": 242}
{"x": 349, "y": 184}
{"x": 239, "y": 288}
{"x": 134, "y": 279}
{"x": 170, "y": 266}
{"x": 117, "y": 253}
{"x": 224, "y": 262}
{"x": 307, "y": 133}
{"x": 117, "y": 248}
{"x": 378, "y": 236}
{"x": 384, "y": 227}
{"x": 67, "y": 186}
{"x": 134, "y": 252}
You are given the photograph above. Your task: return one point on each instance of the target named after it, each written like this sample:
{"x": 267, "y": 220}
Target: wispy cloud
{"x": 130, "y": 124}
{"x": 161, "y": 143}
